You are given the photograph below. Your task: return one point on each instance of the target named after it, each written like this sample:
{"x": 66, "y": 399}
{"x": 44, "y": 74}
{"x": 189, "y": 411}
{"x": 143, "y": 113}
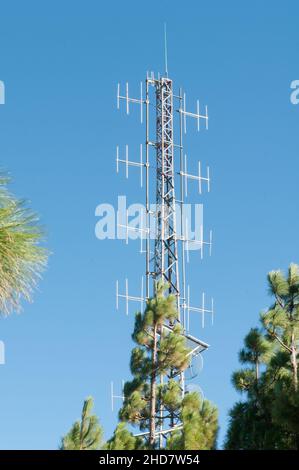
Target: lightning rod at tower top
{"x": 163, "y": 167}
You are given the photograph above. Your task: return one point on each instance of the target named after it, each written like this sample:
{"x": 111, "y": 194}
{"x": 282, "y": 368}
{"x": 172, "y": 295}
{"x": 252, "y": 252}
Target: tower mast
{"x": 167, "y": 242}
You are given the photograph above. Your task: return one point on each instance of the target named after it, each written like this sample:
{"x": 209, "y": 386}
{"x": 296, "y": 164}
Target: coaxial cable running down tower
{"x": 164, "y": 226}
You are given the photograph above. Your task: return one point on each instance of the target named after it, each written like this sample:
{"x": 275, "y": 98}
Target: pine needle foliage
{"x": 150, "y": 401}
{"x": 159, "y": 351}
{"x": 268, "y": 417}
{"x": 123, "y": 439}
{"x": 22, "y": 259}
{"x": 85, "y": 434}
{"x": 200, "y": 425}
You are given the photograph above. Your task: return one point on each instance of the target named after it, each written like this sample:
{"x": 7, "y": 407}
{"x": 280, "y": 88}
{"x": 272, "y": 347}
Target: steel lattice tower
{"x": 166, "y": 250}
{"x": 166, "y": 238}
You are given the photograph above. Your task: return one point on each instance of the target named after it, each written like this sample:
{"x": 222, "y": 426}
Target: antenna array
{"x": 167, "y": 252}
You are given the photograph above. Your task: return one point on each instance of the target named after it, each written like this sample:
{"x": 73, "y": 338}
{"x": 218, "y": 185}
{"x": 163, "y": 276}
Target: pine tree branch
{"x": 282, "y": 343}
{"x": 274, "y": 335}
{"x": 279, "y": 301}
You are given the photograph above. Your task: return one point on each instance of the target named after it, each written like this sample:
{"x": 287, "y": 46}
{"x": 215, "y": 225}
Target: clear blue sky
{"x": 60, "y": 62}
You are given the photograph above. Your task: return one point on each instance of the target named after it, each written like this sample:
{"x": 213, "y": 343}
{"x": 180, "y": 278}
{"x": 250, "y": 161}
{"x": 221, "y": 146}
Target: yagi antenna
{"x": 201, "y": 309}
{"x": 195, "y": 242}
{"x": 197, "y": 115}
{"x": 114, "y": 396}
{"x": 128, "y": 162}
{"x": 129, "y": 100}
{"x": 140, "y": 299}
{"x": 140, "y": 231}
{"x": 198, "y": 177}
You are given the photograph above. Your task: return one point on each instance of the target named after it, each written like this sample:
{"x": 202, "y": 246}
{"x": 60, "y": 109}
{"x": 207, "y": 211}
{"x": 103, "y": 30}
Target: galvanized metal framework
{"x": 167, "y": 245}
{"x": 166, "y": 250}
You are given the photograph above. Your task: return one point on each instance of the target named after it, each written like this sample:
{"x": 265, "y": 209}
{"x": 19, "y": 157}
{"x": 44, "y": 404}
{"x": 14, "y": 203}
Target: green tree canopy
{"x": 22, "y": 259}
{"x": 200, "y": 425}
{"x": 153, "y": 398}
{"x": 123, "y": 439}
{"x": 85, "y": 434}
{"x": 268, "y": 417}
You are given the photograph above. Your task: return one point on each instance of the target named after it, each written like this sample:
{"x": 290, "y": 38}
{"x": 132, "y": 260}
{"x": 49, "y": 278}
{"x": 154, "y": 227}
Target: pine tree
{"x": 285, "y": 409}
{"x": 268, "y": 418}
{"x": 281, "y": 321}
{"x": 122, "y": 439}
{"x": 256, "y": 351}
{"x": 85, "y": 434}
{"x": 251, "y": 424}
{"x": 159, "y": 351}
{"x": 22, "y": 259}
{"x": 200, "y": 425}
{"x": 150, "y": 401}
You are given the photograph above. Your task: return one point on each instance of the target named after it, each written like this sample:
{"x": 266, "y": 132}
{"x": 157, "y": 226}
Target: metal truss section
{"x": 166, "y": 252}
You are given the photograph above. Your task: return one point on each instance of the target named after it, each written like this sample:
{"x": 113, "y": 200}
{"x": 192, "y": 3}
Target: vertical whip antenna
{"x": 165, "y": 50}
